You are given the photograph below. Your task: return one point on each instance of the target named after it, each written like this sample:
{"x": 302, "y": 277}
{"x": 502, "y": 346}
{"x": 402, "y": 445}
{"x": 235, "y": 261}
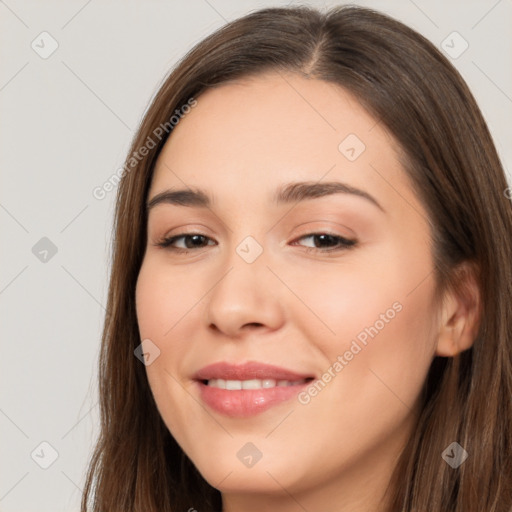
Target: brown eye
{"x": 190, "y": 241}
{"x": 325, "y": 242}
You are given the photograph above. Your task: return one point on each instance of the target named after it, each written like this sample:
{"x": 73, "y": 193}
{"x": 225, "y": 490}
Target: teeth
{"x": 252, "y": 384}
{"x": 232, "y": 385}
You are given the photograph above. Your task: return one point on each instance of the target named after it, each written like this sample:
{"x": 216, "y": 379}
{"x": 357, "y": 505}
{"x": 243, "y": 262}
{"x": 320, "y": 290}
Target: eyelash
{"x": 344, "y": 243}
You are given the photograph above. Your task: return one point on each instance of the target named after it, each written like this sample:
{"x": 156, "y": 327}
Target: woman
{"x": 309, "y": 306}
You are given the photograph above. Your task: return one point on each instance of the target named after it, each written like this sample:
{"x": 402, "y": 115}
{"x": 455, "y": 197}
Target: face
{"x": 295, "y": 324}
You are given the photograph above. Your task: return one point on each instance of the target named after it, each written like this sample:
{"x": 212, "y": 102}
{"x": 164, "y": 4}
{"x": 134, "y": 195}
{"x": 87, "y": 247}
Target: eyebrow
{"x": 288, "y": 193}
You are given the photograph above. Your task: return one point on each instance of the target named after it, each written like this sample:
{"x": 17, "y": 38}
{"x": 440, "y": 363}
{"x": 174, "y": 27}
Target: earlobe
{"x": 460, "y": 314}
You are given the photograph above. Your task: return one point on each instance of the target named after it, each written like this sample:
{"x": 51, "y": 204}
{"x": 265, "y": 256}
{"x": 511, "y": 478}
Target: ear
{"x": 460, "y": 313}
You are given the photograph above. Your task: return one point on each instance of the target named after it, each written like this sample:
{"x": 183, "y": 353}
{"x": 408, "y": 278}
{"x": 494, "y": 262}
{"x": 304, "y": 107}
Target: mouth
{"x": 248, "y": 389}
{"x": 232, "y": 385}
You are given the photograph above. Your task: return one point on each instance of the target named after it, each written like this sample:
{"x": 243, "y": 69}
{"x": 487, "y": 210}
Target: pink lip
{"x": 247, "y": 371}
{"x": 247, "y": 402}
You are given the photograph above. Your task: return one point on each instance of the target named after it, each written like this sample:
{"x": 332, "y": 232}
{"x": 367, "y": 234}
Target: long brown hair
{"x": 419, "y": 97}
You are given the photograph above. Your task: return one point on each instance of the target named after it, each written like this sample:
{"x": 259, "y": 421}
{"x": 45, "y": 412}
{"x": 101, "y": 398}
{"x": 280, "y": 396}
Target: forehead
{"x": 261, "y": 131}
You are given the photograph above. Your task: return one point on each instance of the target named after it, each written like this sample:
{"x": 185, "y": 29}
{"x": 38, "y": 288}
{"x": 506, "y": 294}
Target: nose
{"x": 246, "y": 297}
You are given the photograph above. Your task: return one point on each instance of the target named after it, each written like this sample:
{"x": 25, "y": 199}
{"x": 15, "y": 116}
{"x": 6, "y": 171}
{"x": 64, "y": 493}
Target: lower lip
{"x": 242, "y": 403}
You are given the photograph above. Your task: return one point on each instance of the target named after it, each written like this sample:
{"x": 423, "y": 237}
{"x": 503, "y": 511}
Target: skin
{"x": 291, "y": 307}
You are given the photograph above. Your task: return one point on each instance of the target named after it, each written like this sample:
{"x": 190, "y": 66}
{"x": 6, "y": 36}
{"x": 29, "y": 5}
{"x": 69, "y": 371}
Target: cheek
{"x": 163, "y": 298}
{"x": 401, "y": 353}
{"x": 166, "y": 303}
{"x": 363, "y": 300}
{"x": 378, "y": 357}
{"x": 378, "y": 317}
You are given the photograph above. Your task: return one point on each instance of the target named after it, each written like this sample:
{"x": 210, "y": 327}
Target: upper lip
{"x": 248, "y": 371}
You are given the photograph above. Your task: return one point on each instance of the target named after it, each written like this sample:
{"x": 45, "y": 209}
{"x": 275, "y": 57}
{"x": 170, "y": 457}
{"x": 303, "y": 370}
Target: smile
{"x": 251, "y": 384}
{"x": 248, "y": 389}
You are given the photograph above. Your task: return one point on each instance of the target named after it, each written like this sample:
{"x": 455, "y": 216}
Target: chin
{"x": 233, "y": 470}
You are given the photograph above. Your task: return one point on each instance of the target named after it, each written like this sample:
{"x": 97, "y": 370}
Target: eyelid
{"x": 315, "y": 228}
{"x": 188, "y": 229}
{"x": 321, "y": 228}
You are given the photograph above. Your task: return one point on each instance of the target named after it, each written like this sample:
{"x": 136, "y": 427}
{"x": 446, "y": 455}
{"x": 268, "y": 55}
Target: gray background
{"x": 66, "y": 124}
